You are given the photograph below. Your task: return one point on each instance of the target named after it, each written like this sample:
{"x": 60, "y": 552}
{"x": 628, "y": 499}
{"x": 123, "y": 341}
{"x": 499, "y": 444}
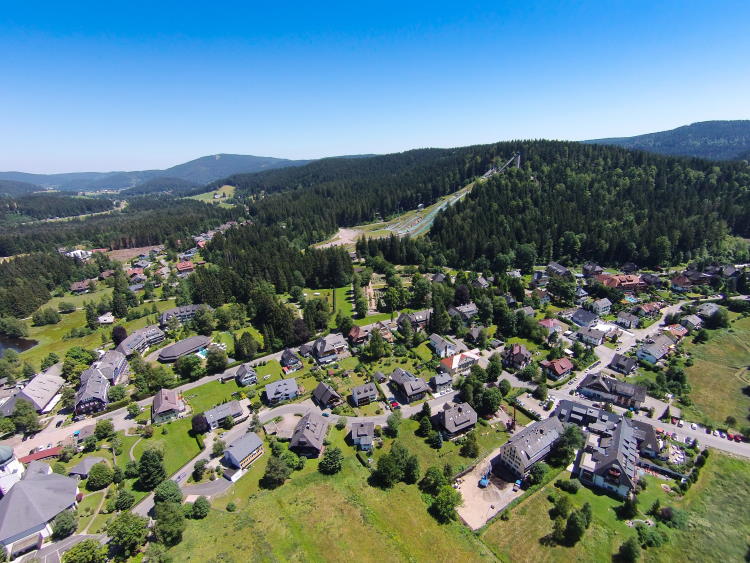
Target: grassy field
{"x": 208, "y": 197}
{"x": 210, "y": 394}
{"x": 717, "y": 527}
{"x": 719, "y": 374}
{"x": 423, "y": 351}
{"x": 314, "y": 517}
{"x": 50, "y": 337}
{"x": 177, "y": 444}
{"x": 88, "y": 507}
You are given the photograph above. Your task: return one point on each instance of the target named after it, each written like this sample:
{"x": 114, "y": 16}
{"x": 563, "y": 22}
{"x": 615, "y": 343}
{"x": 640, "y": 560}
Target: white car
{"x": 715, "y": 432}
{"x": 694, "y": 426}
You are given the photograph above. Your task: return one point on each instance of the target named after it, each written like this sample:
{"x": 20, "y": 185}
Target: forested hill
{"x": 46, "y": 205}
{"x": 314, "y": 200}
{"x": 717, "y": 140}
{"x": 576, "y": 201}
{"x": 15, "y": 188}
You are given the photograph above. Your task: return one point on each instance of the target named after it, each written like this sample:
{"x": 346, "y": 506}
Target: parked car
{"x": 59, "y": 423}
{"x": 395, "y": 405}
{"x": 694, "y": 426}
{"x": 326, "y": 414}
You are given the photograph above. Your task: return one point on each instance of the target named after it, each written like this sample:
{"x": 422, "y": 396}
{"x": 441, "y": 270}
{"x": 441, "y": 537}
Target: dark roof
{"x": 535, "y": 441}
{"x": 95, "y": 387}
{"x": 364, "y": 431}
{"x": 409, "y": 383}
{"x": 310, "y": 432}
{"x": 220, "y": 412}
{"x": 183, "y": 348}
{"x": 458, "y": 418}
{"x": 83, "y": 467}
{"x": 325, "y": 394}
{"x": 623, "y": 363}
{"x": 289, "y": 358}
{"x": 244, "y": 446}
{"x": 281, "y": 388}
{"x": 583, "y": 317}
{"x": 601, "y": 382}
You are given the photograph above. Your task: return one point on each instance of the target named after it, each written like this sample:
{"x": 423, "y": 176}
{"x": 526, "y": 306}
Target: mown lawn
{"x": 314, "y": 517}
{"x": 719, "y": 374}
{"x": 177, "y": 444}
{"x": 87, "y": 508}
{"x": 211, "y": 394}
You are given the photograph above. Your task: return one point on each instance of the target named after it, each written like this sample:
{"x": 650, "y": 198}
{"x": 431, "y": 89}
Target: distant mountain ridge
{"x": 199, "y": 171}
{"x": 715, "y": 140}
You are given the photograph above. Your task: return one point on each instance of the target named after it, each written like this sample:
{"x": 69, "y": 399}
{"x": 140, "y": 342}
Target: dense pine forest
{"x": 145, "y": 221}
{"x": 45, "y": 206}
{"x": 568, "y": 200}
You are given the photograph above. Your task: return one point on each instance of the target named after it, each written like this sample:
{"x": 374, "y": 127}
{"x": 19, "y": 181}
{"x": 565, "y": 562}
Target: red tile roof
{"x": 184, "y": 266}
{"x": 42, "y": 454}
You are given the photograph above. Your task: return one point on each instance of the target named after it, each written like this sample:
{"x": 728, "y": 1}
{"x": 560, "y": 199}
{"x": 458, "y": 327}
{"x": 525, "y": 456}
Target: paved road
{"x": 52, "y": 552}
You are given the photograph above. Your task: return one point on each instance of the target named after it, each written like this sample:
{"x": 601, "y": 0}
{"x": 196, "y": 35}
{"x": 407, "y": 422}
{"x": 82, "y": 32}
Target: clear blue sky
{"x": 134, "y": 85}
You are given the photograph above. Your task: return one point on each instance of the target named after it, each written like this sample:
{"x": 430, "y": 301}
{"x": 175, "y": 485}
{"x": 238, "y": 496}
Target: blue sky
{"x": 136, "y": 85}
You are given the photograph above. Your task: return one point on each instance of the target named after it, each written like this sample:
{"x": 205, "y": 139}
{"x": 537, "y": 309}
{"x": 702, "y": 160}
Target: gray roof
{"x": 591, "y": 333}
{"x": 441, "y": 379}
{"x": 536, "y": 440}
{"x": 440, "y": 344}
{"x": 310, "y": 432}
{"x": 111, "y": 361}
{"x": 466, "y": 311}
{"x": 220, "y": 412}
{"x": 35, "y": 500}
{"x": 459, "y": 418}
{"x": 325, "y": 394}
{"x": 288, "y": 358}
{"x": 330, "y": 342}
{"x": 95, "y": 387}
{"x": 583, "y": 317}
{"x": 136, "y": 339}
{"x": 410, "y": 383}
{"x": 281, "y": 388}
{"x": 623, "y": 363}
{"x": 83, "y": 467}
{"x": 366, "y": 390}
{"x": 603, "y": 302}
{"x": 364, "y": 431}
{"x": 41, "y": 390}
{"x": 183, "y": 348}
{"x": 601, "y": 382}
{"x": 246, "y": 370}
{"x": 244, "y": 446}
{"x": 184, "y": 311}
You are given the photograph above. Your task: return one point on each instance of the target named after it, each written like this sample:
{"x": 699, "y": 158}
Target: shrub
{"x": 100, "y": 477}
{"x": 567, "y": 485}
{"x": 231, "y": 507}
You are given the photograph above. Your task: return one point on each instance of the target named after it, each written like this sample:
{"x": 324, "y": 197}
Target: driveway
{"x": 52, "y": 552}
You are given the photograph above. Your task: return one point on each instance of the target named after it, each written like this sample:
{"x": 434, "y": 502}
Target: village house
{"x": 167, "y": 405}
{"x": 655, "y": 350}
{"x": 555, "y": 270}
{"x": 552, "y": 326}
{"x": 581, "y": 295}
{"x": 590, "y": 336}
{"x": 213, "y": 418}
{"x": 244, "y": 451}
{"x": 555, "y": 369}
{"x": 481, "y": 283}
{"x": 647, "y": 309}
{"x": 600, "y": 387}
{"x": 465, "y": 312}
{"x": 441, "y": 383}
{"x": 308, "y": 438}
{"x": 539, "y": 278}
{"x": 623, "y": 364}
{"x": 328, "y": 349}
{"x": 246, "y": 375}
{"x": 79, "y": 287}
{"x": 289, "y": 361}
{"x": 459, "y": 364}
{"x": 681, "y": 283}
{"x": 141, "y": 340}
{"x": 516, "y": 356}
{"x": 708, "y": 310}
{"x": 185, "y": 347}
{"x": 363, "y": 435}
{"x": 184, "y": 268}
{"x": 542, "y": 295}
{"x": 359, "y": 335}
{"x": 527, "y": 311}
{"x": 591, "y": 269}
{"x": 364, "y": 394}
{"x": 92, "y": 395}
{"x": 439, "y": 278}
{"x": 457, "y": 419}
{"x": 82, "y": 469}
{"x": 418, "y": 319}
{"x": 678, "y": 332}
{"x": 106, "y": 319}
{"x": 627, "y": 320}
{"x": 601, "y": 306}
{"x": 584, "y": 318}
{"x": 474, "y": 334}
{"x": 529, "y": 446}
{"x": 623, "y": 282}
{"x": 412, "y": 388}
{"x": 326, "y": 396}
{"x": 182, "y": 314}
{"x": 441, "y": 346}
{"x": 691, "y": 322}
{"x": 281, "y": 390}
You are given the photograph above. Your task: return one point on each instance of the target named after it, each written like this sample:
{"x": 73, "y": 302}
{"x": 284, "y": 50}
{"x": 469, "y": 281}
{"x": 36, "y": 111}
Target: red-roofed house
{"x": 201, "y": 244}
{"x": 132, "y": 272}
{"x": 552, "y": 325}
{"x": 678, "y": 331}
{"x": 459, "y": 363}
{"x": 184, "y": 267}
{"x": 558, "y": 368}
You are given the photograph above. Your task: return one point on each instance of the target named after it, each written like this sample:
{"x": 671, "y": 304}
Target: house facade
{"x": 281, "y": 390}
{"x": 167, "y": 405}
{"x": 412, "y": 388}
{"x": 244, "y": 451}
{"x": 441, "y": 346}
{"x": 364, "y": 394}
{"x": 363, "y": 435}
{"x": 529, "y": 446}
{"x": 516, "y": 356}
{"x": 600, "y": 387}
{"x": 246, "y": 375}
